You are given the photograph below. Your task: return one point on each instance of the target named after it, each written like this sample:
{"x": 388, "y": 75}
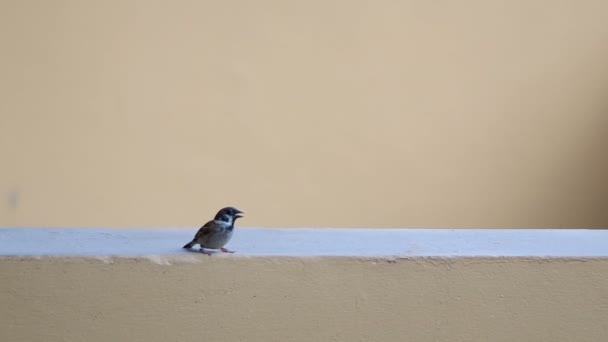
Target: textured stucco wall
{"x": 236, "y": 298}
{"x": 281, "y": 285}
{"x": 433, "y": 114}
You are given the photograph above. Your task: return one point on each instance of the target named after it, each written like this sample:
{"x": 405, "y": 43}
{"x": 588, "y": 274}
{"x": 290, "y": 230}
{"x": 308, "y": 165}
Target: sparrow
{"x": 216, "y": 233}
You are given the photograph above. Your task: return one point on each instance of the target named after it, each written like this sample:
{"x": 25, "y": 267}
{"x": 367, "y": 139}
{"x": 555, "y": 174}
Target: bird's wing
{"x": 209, "y": 228}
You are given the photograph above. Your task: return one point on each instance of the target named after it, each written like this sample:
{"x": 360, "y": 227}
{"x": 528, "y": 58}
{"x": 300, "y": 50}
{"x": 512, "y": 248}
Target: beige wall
{"x": 234, "y": 298}
{"x": 304, "y": 113}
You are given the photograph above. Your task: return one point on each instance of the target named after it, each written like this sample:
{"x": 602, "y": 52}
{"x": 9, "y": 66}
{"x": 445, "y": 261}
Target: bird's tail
{"x": 190, "y": 244}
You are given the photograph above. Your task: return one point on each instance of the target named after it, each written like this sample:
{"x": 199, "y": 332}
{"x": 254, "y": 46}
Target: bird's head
{"x": 228, "y": 214}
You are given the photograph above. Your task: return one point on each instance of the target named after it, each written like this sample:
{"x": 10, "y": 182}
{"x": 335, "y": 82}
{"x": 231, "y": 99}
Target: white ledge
{"x": 313, "y": 242}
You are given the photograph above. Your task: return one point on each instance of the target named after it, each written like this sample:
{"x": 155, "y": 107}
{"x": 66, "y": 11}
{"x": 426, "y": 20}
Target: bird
{"x": 216, "y": 233}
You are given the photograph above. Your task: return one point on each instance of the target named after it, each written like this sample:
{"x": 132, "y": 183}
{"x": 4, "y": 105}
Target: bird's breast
{"x": 218, "y": 239}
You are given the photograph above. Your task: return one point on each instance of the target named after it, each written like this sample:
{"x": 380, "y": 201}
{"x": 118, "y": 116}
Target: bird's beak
{"x": 237, "y": 214}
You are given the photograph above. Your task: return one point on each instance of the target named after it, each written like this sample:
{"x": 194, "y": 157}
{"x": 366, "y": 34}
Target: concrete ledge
{"x": 314, "y": 242}
{"x": 359, "y": 285}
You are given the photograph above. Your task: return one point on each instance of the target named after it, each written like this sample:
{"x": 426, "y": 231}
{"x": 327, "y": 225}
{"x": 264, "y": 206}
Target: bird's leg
{"x": 226, "y": 250}
{"x": 202, "y": 250}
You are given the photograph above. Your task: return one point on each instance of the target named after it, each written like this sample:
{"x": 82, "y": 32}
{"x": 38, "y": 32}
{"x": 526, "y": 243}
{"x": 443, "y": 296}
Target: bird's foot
{"x": 226, "y": 250}
{"x": 202, "y": 250}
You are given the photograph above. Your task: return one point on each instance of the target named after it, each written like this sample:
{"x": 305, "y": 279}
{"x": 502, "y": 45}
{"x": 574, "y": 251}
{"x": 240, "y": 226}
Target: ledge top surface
{"x": 312, "y": 242}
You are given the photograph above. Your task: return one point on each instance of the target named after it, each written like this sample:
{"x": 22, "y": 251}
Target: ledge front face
{"x": 313, "y": 242}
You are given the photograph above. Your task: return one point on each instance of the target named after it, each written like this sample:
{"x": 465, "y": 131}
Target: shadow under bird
{"x": 216, "y": 233}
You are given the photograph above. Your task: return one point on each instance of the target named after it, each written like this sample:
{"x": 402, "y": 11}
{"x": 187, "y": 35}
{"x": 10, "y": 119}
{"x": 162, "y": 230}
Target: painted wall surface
{"x": 304, "y": 113}
{"x": 235, "y": 298}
